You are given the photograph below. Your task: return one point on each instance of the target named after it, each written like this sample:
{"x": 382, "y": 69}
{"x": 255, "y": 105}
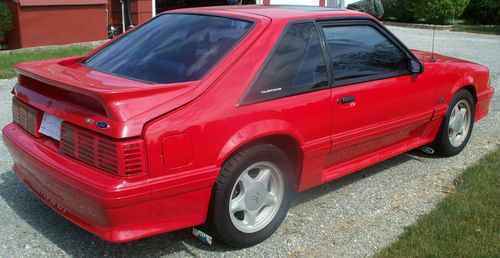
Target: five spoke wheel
{"x": 256, "y": 197}
{"x": 459, "y": 123}
{"x": 456, "y": 127}
{"x": 252, "y": 195}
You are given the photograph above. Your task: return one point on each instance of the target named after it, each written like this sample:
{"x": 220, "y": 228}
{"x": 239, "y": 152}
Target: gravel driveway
{"x": 351, "y": 217}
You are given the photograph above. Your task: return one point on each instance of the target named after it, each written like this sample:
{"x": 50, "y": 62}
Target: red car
{"x": 219, "y": 115}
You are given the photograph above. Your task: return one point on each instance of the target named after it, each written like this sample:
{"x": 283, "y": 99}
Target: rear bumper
{"x": 109, "y": 207}
{"x": 483, "y": 103}
{"x": 114, "y": 208}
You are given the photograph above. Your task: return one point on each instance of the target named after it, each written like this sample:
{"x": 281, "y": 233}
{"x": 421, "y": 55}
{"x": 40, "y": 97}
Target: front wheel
{"x": 252, "y": 195}
{"x": 457, "y": 125}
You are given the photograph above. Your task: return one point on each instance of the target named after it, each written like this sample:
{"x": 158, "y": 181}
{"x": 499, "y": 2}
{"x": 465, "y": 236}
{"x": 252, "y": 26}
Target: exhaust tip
{"x": 427, "y": 150}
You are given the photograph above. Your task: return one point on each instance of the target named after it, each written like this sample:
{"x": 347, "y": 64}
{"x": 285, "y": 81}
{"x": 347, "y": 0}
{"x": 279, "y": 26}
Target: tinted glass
{"x": 297, "y": 65}
{"x": 171, "y": 48}
{"x": 358, "y": 51}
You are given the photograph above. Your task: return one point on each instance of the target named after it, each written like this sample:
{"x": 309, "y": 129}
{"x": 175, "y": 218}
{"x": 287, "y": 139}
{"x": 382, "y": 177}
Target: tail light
{"x": 26, "y": 117}
{"x": 123, "y": 158}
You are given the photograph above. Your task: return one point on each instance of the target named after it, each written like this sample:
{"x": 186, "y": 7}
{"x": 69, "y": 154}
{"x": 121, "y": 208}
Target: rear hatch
{"x": 91, "y": 116}
{"x": 149, "y": 71}
{"x": 94, "y": 108}
{"x": 85, "y": 97}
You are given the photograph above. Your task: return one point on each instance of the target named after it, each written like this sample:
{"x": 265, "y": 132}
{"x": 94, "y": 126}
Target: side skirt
{"x": 351, "y": 166}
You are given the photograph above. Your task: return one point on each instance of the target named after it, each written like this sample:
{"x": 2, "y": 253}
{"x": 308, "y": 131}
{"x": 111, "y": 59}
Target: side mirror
{"x": 416, "y": 67}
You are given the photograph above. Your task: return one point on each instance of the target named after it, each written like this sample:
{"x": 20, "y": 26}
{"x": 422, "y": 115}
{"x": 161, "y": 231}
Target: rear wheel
{"x": 456, "y": 127}
{"x": 252, "y": 195}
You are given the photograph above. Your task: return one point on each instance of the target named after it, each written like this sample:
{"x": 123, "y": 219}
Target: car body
{"x": 167, "y": 141}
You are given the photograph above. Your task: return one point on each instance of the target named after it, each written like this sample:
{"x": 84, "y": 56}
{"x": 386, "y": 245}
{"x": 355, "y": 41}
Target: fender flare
{"x": 463, "y": 82}
{"x": 254, "y": 131}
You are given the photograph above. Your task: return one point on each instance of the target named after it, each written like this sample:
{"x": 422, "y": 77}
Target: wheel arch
{"x": 287, "y": 142}
{"x": 468, "y": 83}
{"x": 473, "y": 91}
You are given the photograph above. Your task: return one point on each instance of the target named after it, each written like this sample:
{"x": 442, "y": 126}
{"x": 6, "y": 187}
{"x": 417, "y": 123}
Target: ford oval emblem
{"x": 102, "y": 125}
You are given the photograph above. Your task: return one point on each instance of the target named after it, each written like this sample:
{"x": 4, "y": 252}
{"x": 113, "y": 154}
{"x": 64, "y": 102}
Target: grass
{"x": 460, "y": 25}
{"x": 493, "y": 30}
{"x": 465, "y": 224}
{"x": 8, "y": 60}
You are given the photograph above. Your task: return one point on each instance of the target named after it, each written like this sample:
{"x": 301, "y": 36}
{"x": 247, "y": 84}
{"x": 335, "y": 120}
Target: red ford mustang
{"x": 218, "y": 115}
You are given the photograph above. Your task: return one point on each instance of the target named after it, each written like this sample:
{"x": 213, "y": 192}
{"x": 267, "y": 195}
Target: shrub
{"x": 429, "y": 11}
{"x": 399, "y": 10}
{"x": 5, "y": 17}
{"x": 483, "y": 11}
{"x": 439, "y": 11}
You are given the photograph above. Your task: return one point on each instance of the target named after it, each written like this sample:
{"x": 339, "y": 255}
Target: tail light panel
{"x": 26, "y": 117}
{"x": 123, "y": 158}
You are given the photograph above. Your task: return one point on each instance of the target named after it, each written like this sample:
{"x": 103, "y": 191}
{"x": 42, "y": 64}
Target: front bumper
{"x": 483, "y": 103}
{"x": 114, "y": 208}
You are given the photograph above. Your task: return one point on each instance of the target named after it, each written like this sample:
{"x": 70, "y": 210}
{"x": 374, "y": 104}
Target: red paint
{"x": 42, "y": 23}
{"x": 177, "y": 151}
{"x": 190, "y": 129}
{"x": 60, "y": 2}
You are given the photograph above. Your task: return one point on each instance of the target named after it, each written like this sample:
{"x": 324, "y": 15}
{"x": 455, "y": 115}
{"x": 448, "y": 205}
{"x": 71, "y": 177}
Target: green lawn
{"x": 8, "y": 60}
{"x": 494, "y": 30}
{"x": 465, "y": 224}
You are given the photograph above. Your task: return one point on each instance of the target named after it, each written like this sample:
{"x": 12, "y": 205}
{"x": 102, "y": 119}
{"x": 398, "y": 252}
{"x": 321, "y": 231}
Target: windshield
{"x": 171, "y": 48}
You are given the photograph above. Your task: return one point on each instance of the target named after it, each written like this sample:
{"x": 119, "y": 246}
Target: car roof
{"x": 278, "y": 12}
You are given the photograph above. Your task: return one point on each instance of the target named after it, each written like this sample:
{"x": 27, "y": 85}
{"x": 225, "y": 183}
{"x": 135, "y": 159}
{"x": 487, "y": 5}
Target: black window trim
{"x": 243, "y": 101}
{"x": 360, "y": 21}
{"x": 83, "y": 61}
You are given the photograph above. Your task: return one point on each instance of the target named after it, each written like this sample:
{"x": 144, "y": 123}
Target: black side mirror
{"x": 416, "y": 67}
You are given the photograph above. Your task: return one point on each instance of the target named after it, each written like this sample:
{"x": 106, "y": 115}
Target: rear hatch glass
{"x": 171, "y": 48}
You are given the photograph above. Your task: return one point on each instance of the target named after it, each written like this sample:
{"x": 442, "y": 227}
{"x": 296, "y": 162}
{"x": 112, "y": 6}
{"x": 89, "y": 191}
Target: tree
{"x": 399, "y": 10}
{"x": 439, "y": 11}
{"x": 429, "y": 11}
{"x": 483, "y": 11}
{"x": 5, "y": 17}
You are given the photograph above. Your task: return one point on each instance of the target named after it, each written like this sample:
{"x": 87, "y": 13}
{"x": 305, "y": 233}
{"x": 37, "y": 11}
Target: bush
{"x": 5, "y": 17}
{"x": 439, "y": 11}
{"x": 429, "y": 11}
{"x": 398, "y": 10}
{"x": 483, "y": 12}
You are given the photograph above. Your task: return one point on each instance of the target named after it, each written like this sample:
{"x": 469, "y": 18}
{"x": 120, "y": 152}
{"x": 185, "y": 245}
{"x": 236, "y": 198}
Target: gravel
{"x": 351, "y": 217}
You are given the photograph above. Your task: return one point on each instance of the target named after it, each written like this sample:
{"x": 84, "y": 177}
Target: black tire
{"x": 442, "y": 144}
{"x": 220, "y": 222}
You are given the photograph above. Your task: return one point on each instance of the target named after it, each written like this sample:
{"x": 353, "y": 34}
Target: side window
{"x": 359, "y": 51}
{"x": 297, "y": 65}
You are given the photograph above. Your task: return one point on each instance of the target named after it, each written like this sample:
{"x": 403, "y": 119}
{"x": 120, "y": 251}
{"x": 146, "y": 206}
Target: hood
{"x": 426, "y": 57}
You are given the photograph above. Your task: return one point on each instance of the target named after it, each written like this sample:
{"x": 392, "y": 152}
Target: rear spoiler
{"x": 76, "y": 93}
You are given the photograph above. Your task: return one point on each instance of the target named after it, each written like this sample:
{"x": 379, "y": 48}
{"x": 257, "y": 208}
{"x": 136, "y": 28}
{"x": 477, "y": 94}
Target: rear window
{"x": 171, "y": 48}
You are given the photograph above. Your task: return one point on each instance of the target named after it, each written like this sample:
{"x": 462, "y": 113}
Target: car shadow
{"x": 339, "y": 183}
{"x": 77, "y": 242}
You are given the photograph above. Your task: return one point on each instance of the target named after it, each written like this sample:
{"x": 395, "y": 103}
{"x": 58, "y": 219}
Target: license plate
{"x": 51, "y": 126}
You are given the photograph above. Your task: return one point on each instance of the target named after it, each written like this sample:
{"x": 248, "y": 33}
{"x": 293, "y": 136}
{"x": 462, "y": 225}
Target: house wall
{"x": 56, "y": 24}
{"x": 332, "y": 3}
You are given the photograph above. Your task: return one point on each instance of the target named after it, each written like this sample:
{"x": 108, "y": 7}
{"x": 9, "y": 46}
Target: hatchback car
{"x": 219, "y": 115}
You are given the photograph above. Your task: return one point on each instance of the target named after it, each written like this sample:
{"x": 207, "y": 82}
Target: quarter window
{"x": 362, "y": 51}
{"x": 297, "y": 65}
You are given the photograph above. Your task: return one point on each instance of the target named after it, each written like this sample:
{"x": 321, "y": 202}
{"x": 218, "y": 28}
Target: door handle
{"x": 346, "y": 99}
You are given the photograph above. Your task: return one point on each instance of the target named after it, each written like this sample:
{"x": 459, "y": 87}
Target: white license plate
{"x": 51, "y": 126}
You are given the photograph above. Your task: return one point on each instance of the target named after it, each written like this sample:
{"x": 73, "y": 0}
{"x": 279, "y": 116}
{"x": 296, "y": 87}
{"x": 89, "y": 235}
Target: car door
{"x": 377, "y": 102}
{"x": 293, "y": 88}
